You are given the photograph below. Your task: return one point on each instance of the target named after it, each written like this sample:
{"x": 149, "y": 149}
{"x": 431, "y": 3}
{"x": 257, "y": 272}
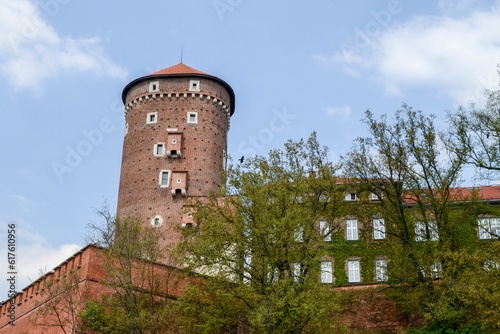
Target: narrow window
{"x": 298, "y": 234}
{"x": 151, "y": 118}
{"x": 159, "y": 150}
{"x": 351, "y": 229}
{"x": 296, "y": 272}
{"x": 353, "y": 271}
{"x": 326, "y": 272}
{"x": 154, "y": 86}
{"x": 325, "y": 230}
{"x": 380, "y": 270}
{"x": 164, "y": 178}
{"x": 192, "y": 117}
{"x": 378, "y": 229}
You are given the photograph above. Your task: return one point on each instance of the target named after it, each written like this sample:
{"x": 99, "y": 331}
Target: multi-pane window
{"x": 298, "y": 234}
{"x": 436, "y": 269}
{"x": 325, "y": 230}
{"x": 353, "y": 271}
{"x": 426, "y": 231}
{"x": 351, "y": 229}
{"x": 326, "y": 272}
{"x": 489, "y": 228}
{"x": 378, "y": 229}
{"x": 380, "y": 270}
{"x": 164, "y": 178}
{"x": 376, "y": 196}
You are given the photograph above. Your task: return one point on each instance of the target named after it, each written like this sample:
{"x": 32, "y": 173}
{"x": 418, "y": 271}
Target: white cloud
{"x": 341, "y": 112}
{"x": 31, "y": 51}
{"x": 33, "y": 255}
{"x": 455, "y": 56}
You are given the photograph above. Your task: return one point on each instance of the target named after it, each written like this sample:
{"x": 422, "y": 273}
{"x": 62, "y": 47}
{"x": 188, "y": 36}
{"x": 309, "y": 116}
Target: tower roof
{"x": 179, "y": 70}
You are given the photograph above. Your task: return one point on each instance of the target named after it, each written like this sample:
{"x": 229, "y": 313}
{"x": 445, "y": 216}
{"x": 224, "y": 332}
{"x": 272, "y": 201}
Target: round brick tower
{"x": 176, "y": 127}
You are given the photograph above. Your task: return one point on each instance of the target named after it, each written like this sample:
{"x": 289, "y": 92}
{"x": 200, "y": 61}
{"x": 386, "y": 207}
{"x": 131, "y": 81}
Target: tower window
{"x": 159, "y": 150}
{"x": 154, "y": 86}
{"x": 152, "y": 118}
{"x": 164, "y": 178}
{"x": 194, "y": 85}
{"x": 192, "y": 117}
{"x": 157, "y": 221}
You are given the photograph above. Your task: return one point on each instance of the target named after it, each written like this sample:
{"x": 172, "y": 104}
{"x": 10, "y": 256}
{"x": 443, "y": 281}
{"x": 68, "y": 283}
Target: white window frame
{"x": 154, "y": 86}
{"x": 426, "y": 231}
{"x": 353, "y": 271}
{"x": 298, "y": 234}
{"x": 325, "y": 230}
{"x": 488, "y": 228}
{"x": 326, "y": 272}
{"x": 376, "y": 197}
{"x": 148, "y": 118}
{"x": 157, "y": 221}
{"x": 156, "y": 147}
{"x": 194, "y": 85}
{"x": 351, "y": 229}
{"x": 378, "y": 229}
{"x": 296, "y": 271}
{"x": 192, "y": 113}
{"x": 351, "y": 197}
{"x": 436, "y": 270}
{"x": 168, "y": 173}
{"x": 381, "y": 270}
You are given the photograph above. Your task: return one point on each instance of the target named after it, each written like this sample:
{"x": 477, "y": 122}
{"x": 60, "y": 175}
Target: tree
{"x": 259, "y": 246}
{"x": 476, "y": 132}
{"x": 61, "y": 303}
{"x": 139, "y": 298}
{"x": 430, "y": 224}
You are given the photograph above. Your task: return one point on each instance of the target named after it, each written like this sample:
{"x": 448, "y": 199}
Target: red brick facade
{"x": 177, "y": 121}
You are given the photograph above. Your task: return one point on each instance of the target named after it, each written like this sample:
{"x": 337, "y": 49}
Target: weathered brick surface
{"x": 203, "y": 147}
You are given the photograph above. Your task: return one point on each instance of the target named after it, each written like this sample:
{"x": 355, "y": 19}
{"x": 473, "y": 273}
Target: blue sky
{"x": 295, "y": 67}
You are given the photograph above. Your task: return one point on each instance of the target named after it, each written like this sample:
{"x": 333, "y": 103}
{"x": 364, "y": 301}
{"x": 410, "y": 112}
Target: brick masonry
{"x": 196, "y": 171}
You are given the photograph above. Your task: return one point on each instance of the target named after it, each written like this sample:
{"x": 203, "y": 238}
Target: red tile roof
{"x": 178, "y": 69}
{"x": 482, "y": 193}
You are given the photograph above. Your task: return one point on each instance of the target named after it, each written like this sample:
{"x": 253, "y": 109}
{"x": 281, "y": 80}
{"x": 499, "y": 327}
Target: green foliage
{"x": 138, "y": 302}
{"x": 94, "y": 318}
{"x": 442, "y": 278}
{"x": 260, "y": 244}
{"x": 475, "y": 133}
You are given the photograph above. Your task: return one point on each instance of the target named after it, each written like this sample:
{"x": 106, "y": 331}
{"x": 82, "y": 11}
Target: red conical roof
{"x": 178, "y": 69}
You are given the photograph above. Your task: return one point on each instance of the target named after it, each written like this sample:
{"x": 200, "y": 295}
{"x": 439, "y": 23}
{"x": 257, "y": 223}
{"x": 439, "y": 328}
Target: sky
{"x": 295, "y": 66}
